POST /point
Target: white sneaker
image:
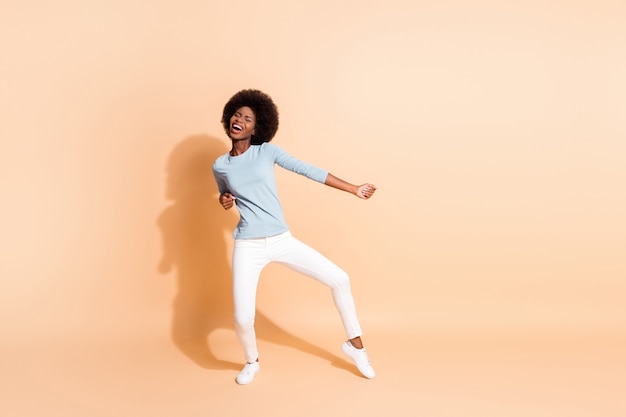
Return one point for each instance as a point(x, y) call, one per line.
point(359, 356)
point(247, 373)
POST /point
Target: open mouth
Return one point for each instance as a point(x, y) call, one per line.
point(236, 128)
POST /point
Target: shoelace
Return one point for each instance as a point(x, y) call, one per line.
point(362, 356)
point(247, 369)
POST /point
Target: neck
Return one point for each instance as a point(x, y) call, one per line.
point(240, 146)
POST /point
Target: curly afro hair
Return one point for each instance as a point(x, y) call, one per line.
point(264, 109)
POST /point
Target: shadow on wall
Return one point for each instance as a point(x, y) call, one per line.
point(192, 233)
point(192, 230)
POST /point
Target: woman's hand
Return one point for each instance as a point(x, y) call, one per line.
point(365, 191)
point(227, 200)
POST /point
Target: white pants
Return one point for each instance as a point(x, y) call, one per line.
point(250, 256)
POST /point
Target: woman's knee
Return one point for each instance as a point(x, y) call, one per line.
point(341, 280)
point(244, 321)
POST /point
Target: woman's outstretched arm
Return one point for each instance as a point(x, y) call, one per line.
point(363, 191)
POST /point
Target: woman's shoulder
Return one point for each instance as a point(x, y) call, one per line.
point(271, 148)
point(267, 146)
point(220, 160)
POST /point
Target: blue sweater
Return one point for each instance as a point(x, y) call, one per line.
point(250, 178)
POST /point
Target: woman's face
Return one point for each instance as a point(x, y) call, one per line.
point(242, 124)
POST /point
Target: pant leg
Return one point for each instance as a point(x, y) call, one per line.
point(249, 259)
point(291, 252)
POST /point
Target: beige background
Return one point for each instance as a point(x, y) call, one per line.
point(488, 269)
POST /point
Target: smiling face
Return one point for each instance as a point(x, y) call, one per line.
point(242, 124)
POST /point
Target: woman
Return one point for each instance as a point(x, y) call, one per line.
point(245, 178)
